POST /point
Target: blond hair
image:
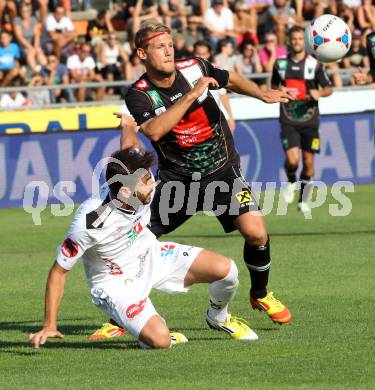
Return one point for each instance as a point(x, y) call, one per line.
point(147, 29)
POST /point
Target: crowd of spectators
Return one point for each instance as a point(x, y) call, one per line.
point(41, 45)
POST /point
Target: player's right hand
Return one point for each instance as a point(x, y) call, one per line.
point(202, 85)
point(39, 338)
point(127, 122)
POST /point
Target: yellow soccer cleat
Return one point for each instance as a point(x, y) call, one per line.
point(107, 331)
point(278, 312)
point(237, 328)
point(178, 338)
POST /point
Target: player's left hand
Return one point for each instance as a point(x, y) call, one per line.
point(39, 338)
point(277, 96)
point(314, 93)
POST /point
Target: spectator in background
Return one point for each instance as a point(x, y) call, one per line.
point(180, 51)
point(245, 23)
point(219, 21)
point(261, 8)
point(98, 30)
point(357, 55)
point(134, 68)
point(193, 32)
point(9, 59)
point(283, 18)
point(308, 9)
point(7, 8)
point(224, 59)
point(27, 33)
point(13, 100)
point(82, 70)
point(247, 62)
point(270, 52)
point(347, 14)
point(174, 13)
point(55, 73)
point(139, 11)
point(38, 97)
point(202, 49)
point(366, 18)
point(114, 61)
point(58, 32)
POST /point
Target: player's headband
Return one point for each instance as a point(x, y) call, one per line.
point(146, 40)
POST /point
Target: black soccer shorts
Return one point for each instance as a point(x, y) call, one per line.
point(305, 137)
point(226, 194)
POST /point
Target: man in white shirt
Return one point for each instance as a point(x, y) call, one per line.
point(58, 30)
point(219, 21)
point(123, 261)
point(82, 70)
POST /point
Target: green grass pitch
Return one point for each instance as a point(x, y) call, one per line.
point(323, 269)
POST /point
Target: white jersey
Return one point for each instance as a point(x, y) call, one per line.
point(115, 244)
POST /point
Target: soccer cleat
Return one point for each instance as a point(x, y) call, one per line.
point(304, 207)
point(278, 312)
point(107, 331)
point(237, 328)
point(288, 191)
point(178, 338)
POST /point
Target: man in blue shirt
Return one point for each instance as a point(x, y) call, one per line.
point(9, 56)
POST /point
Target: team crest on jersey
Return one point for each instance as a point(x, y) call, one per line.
point(69, 248)
point(114, 268)
point(167, 250)
point(141, 84)
point(136, 308)
point(155, 99)
point(186, 64)
point(133, 233)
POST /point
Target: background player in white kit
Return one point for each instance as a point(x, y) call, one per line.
point(123, 261)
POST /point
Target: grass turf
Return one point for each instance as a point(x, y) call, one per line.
point(322, 268)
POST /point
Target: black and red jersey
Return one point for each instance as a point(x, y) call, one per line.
point(300, 77)
point(201, 141)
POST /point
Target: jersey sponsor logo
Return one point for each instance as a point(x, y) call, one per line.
point(315, 144)
point(186, 64)
point(174, 97)
point(141, 84)
point(160, 110)
point(297, 88)
point(69, 248)
point(244, 197)
point(114, 268)
point(193, 128)
point(167, 250)
point(155, 99)
point(133, 233)
point(135, 309)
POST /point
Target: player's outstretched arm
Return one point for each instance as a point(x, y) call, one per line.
point(244, 86)
point(129, 130)
point(158, 127)
point(53, 296)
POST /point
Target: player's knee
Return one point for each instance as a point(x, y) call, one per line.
point(256, 235)
point(223, 267)
point(162, 341)
point(292, 165)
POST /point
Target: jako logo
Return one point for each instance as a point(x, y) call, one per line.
point(136, 308)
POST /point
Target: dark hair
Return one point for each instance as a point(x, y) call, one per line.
point(222, 43)
point(202, 43)
point(246, 42)
point(124, 163)
point(295, 29)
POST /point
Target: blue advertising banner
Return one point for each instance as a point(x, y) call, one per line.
point(66, 162)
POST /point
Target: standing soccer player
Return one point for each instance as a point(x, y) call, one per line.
point(123, 261)
point(302, 75)
point(195, 147)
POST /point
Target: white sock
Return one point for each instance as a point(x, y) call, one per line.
point(221, 293)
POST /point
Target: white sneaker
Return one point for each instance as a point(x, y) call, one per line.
point(303, 207)
point(288, 192)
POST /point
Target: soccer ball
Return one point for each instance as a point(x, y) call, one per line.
point(327, 38)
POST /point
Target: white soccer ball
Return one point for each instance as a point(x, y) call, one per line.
point(327, 38)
